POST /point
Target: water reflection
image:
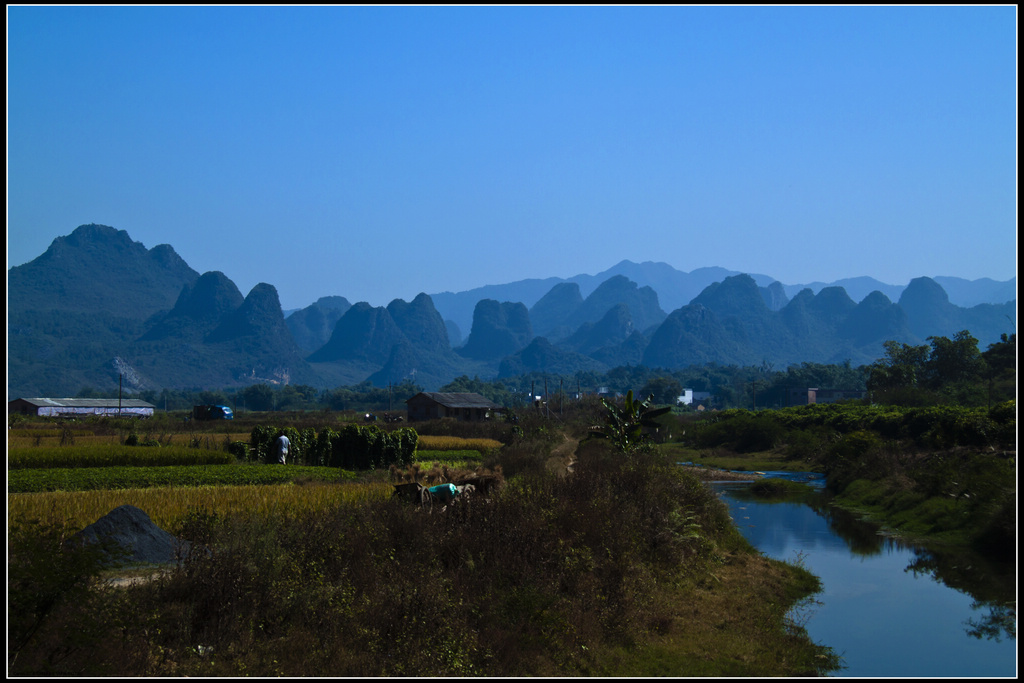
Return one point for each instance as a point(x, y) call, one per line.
point(988, 583)
point(889, 607)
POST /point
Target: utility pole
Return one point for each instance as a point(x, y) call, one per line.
point(546, 406)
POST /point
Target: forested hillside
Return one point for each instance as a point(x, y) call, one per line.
point(98, 310)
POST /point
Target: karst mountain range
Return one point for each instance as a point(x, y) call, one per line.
point(98, 309)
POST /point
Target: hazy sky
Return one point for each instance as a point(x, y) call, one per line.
point(376, 153)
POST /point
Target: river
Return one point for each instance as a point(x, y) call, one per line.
point(888, 608)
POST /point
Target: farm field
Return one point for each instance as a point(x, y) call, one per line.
point(539, 579)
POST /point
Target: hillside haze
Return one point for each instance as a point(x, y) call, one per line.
point(98, 308)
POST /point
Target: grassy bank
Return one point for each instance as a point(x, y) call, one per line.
point(707, 632)
point(724, 459)
point(983, 519)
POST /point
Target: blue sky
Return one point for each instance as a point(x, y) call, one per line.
point(376, 153)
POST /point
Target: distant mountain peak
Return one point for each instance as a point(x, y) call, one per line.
point(364, 333)
point(499, 329)
point(99, 268)
point(259, 315)
point(737, 295)
point(199, 308)
point(924, 291)
point(96, 294)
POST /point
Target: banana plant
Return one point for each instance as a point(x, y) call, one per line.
point(624, 425)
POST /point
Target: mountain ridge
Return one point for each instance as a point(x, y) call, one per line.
point(677, 288)
point(96, 303)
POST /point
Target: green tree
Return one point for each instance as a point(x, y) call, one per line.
point(493, 391)
point(903, 366)
point(625, 424)
point(1001, 368)
point(258, 397)
point(953, 361)
point(1002, 355)
point(216, 398)
point(664, 390)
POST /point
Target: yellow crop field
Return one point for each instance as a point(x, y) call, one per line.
point(167, 506)
point(455, 443)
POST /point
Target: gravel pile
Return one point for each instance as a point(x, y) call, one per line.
point(133, 530)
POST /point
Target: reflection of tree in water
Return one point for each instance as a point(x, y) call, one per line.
point(1001, 620)
point(992, 585)
point(861, 536)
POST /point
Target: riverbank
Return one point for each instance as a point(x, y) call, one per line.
point(957, 497)
point(948, 612)
point(987, 526)
point(713, 628)
point(942, 473)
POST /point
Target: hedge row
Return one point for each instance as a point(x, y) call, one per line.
point(931, 427)
point(354, 447)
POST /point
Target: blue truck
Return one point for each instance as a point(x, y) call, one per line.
point(212, 413)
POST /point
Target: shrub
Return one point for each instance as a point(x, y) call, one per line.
point(741, 430)
point(757, 433)
point(808, 444)
point(853, 456)
point(239, 449)
point(998, 535)
point(53, 618)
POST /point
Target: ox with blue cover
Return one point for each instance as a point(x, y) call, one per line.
point(443, 493)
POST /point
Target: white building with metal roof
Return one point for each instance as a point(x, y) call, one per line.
point(66, 407)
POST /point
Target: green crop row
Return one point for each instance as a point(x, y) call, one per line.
point(112, 455)
point(93, 478)
point(353, 447)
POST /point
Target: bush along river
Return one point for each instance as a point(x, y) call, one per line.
point(888, 607)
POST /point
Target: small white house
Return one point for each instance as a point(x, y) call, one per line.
point(686, 398)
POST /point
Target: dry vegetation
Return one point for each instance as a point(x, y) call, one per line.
point(584, 563)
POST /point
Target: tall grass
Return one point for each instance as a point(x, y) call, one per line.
point(112, 456)
point(168, 506)
point(455, 443)
point(91, 478)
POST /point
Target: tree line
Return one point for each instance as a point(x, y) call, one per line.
point(943, 372)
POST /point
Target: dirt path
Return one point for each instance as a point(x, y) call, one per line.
point(134, 577)
point(563, 456)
